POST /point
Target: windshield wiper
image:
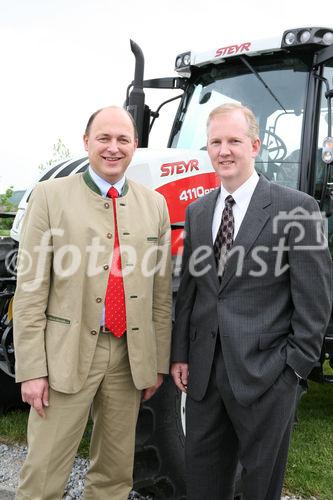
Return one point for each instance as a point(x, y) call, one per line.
point(255, 72)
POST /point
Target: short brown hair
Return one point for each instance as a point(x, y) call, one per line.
point(253, 131)
point(93, 116)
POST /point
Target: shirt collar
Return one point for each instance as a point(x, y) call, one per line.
point(243, 194)
point(103, 185)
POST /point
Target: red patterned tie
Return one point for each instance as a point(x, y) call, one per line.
point(115, 309)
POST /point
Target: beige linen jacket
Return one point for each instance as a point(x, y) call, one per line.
point(65, 254)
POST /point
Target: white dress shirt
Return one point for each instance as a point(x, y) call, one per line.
point(242, 197)
point(103, 185)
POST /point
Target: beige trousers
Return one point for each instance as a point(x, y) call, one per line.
point(53, 441)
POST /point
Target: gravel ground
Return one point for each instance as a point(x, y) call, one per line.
point(12, 458)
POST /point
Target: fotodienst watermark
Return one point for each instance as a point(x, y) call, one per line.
point(294, 231)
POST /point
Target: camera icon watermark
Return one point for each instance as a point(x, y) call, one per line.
point(311, 227)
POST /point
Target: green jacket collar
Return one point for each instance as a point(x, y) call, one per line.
point(92, 185)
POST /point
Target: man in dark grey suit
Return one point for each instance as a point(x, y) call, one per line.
point(251, 312)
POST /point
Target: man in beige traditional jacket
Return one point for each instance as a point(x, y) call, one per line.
point(66, 358)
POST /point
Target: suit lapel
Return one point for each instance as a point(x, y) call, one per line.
point(204, 231)
point(253, 223)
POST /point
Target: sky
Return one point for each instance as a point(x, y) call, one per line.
point(63, 59)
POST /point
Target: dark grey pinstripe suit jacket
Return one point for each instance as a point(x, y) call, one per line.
point(265, 319)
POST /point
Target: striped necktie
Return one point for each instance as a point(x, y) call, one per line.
point(225, 235)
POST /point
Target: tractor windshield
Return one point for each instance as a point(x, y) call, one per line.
point(274, 87)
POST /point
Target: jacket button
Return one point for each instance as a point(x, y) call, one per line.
point(107, 205)
point(109, 235)
point(93, 332)
point(98, 300)
point(106, 267)
point(213, 334)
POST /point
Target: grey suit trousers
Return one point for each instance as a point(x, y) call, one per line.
point(220, 431)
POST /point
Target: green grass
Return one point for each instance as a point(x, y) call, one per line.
point(4, 232)
point(310, 464)
point(13, 429)
point(310, 470)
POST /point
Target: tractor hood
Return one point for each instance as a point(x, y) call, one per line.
point(180, 175)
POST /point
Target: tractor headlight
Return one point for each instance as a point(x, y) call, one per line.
point(289, 38)
point(310, 37)
point(305, 36)
point(328, 37)
point(327, 152)
point(183, 62)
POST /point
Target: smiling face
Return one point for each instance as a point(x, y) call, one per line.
point(231, 150)
point(110, 143)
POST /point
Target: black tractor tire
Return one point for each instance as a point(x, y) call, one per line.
point(159, 470)
point(159, 466)
point(10, 394)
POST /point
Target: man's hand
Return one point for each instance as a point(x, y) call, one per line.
point(179, 372)
point(150, 391)
point(35, 392)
